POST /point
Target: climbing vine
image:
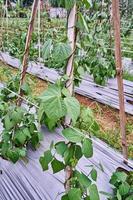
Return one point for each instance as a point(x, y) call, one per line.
point(56, 103)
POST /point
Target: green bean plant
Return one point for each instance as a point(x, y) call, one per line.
point(15, 45)
point(93, 44)
point(55, 104)
point(20, 127)
point(19, 130)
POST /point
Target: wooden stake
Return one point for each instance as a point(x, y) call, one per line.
point(39, 30)
point(119, 71)
point(27, 47)
point(71, 34)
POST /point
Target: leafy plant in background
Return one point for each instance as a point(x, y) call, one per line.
point(86, 121)
point(19, 130)
point(95, 44)
point(98, 61)
point(20, 126)
point(6, 92)
point(122, 185)
point(15, 45)
point(56, 54)
point(92, 53)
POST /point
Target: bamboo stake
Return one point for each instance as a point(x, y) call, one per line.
point(39, 28)
point(2, 25)
point(6, 8)
point(27, 47)
point(71, 34)
point(119, 70)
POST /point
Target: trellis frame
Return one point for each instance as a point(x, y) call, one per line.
point(70, 64)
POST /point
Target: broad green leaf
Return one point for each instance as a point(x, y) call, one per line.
point(94, 174)
point(69, 154)
point(4, 148)
point(74, 194)
point(73, 135)
point(73, 108)
point(65, 197)
point(26, 88)
point(22, 152)
point(81, 71)
point(119, 197)
point(6, 136)
point(57, 165)
point(65, 92)
point(87, 198)
point(8, 123)
point(83, 179)
point(26, 132)
point(35, 139)
point(22, 136)
point(47, 47)
point(40, 112)
point(87, 148)
point(87, 3)
point(78, 152)
point(32, 128)
point(130, 197)
point(50, 123)
point(52, 103)
point(17, 116)
point(19, 137)
point(13, 155)
point(122, 176)
point(124, 188)
point(45, 160)
point(93, 192)
point(61, 148)
point(82, 22)
point(61, 52)
point(118, 177)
